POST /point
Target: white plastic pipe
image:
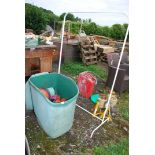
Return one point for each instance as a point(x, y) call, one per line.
point(108, 102)
point(98, 127)
point(118, 65)
point(88, 112)
point(62, 38)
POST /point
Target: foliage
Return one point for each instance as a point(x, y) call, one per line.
point(90, 28)
point(75, 27)
point(34, 18)
point(75, 67)
point(116, 32)
point(106, 31)
point(121, 148)
point(125, 26)
point(37, 18)
point(68, 17)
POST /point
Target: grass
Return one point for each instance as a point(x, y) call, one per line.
point(75, 67)
point(123, 105)
point(121, 148)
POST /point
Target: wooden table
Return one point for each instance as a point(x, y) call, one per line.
point(39, 59)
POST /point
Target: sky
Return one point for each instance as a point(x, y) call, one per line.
point(60, 6)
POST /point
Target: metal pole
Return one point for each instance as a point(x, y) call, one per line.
point(63, 25)
point(118, 65)
point(98, 127)
point(62, 37)
point(108, 102)
point(88, 112)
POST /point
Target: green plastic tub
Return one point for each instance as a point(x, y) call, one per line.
point(55, 119)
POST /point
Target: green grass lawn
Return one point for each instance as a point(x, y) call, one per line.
point(121, 148)
point(75, 67)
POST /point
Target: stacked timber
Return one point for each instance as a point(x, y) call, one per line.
point(102, 51)
point(119, 46)
point(101, 56)
point(89, 56)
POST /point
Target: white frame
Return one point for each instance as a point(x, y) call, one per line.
point(121, 54)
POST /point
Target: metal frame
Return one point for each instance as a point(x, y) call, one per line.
point(108, 102)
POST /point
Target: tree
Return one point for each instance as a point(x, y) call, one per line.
point(78, 19)
point(34, 19)
point(89, 20)
point(124, 27)
point(106, 31)
point(99, 30)
point(69, 17)
point(37, 18)
point(90, 28)
point(116, 32)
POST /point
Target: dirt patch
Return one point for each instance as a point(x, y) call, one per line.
point(77, 140)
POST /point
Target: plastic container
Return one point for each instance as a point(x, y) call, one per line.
point(86, 83)
point(51, 91)
point(94, 98)
point(31, 43)
point(55, 118)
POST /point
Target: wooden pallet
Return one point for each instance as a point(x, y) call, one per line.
point(88, 52)
point(87, 46)
point(89, 61)
point(102, 57)
point(89, 57)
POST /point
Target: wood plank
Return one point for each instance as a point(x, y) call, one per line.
point(45, 64)
point(90, 57)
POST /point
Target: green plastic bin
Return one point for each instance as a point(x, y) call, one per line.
point(55, 119)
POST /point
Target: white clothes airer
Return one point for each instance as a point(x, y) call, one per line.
point(103, 120)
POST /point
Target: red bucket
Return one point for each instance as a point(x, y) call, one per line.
point(86, 83)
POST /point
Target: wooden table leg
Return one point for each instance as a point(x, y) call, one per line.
point(46, 64)
point(27, 67)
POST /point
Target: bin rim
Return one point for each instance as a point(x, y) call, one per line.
point(50, 102)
